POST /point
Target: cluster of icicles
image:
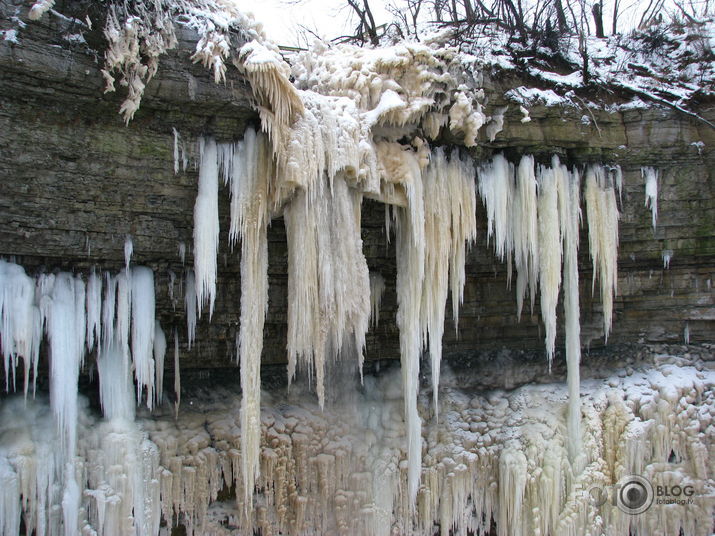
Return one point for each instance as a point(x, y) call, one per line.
point(112, 316)
point(499, 455)
point(533, 220)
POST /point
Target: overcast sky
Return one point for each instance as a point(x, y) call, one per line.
point(282, 19)
point(329, 18)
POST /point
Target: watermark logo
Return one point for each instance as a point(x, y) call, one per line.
point(634, 494)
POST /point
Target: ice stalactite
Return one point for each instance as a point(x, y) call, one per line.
point(115, 386)
point(94, 311)
point(377, 289)
point(20, 324)
point(177, 373)
point(449, 226)
point(549, 254)
point(650, 175)
point(569, 193)
point(128, 251)
point(329, 282)
point(190, 305)
point(526, 233)
point(496, 188)
point(159, 351)
point(66, 331)
point(66, 351)
point(602, 216)
point(206, 226)
point(143, 331)
point(250, 172)
point(410, 252)
point(123, 319)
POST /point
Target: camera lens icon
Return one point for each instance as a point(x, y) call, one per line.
point(635, 494)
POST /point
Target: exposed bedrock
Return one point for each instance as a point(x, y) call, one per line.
point(75, 181)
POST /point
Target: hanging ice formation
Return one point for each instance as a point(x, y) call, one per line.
point(77, 319)
point(354, 125)
point(650, 175)
point(602, 216)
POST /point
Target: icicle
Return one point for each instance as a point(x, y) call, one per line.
point(496, 188)
point(570, 215)
point(123, 319)
point(450, 225)
point(667, 255)
point(159, 354)
point(377, 288)
point(80, 296)
point(549, 254)
point(66, 350)
point(20, 322)
point(10, 511)
point(249, 183)
point(651, 191)
point(108, 306)
point(190, 304)
point(329, 282)
point(94, 310)
point(177, 374)
point(180, 159)
point(182, 252)
point(602, 215)
point(526, 233)
point(206, 227)
point(115, 386)
point(128, 250)
point(143, 326)
point(410, 252)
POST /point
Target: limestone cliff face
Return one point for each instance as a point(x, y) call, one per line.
point(76, 181)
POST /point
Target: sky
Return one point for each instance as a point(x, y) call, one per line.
point(328, 18)
point(282, 19)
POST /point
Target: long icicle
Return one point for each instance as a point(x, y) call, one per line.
point(249, 176)
point(570, 216)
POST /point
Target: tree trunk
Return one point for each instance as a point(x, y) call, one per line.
point(597, 11)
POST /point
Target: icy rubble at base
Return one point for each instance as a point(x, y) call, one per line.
point(498, 455)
